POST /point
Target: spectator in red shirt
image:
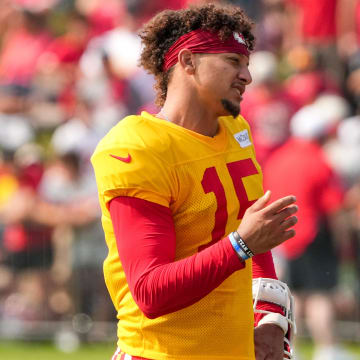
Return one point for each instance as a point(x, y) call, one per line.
point(316, 24)
point(22, 48)
point(300, 167)
point(59, 63)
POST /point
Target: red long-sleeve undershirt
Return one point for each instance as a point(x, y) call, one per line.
point(145, 237)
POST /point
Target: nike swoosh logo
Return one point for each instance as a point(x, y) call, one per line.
point(126, 159)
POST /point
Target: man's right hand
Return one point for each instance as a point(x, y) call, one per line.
point(265, 226)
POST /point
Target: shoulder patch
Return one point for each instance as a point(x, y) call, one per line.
point(243, 138)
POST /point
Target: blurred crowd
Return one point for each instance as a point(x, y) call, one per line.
point(68, 73)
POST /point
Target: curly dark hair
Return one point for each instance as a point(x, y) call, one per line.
point(166, 27)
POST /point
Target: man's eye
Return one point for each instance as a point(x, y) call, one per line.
point(235, 60)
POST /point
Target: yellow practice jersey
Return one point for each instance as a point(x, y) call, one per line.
point(208, 183)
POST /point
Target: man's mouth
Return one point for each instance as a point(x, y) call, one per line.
point(239, 89)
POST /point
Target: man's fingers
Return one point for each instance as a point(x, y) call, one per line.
point(285, 213)
point(261, 202)
point(279, 204)
point(289, 234)
point(289, 222)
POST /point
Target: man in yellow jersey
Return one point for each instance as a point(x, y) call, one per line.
point(183, 204)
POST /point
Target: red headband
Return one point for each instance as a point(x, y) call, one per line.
point(206, 42)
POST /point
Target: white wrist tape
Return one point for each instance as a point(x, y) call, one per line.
point(277, 319)
point(276, 292)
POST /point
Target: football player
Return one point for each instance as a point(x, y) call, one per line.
point(185, 216)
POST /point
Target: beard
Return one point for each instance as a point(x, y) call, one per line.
point(230, 107)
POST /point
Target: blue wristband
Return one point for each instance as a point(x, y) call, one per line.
point(242, 244)
point(242, 255)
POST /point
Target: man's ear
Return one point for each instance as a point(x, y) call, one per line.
point(186, 60)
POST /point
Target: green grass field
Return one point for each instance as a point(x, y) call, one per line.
point(47, 351)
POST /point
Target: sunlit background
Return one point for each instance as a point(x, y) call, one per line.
point(68, 73)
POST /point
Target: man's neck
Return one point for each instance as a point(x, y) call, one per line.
point(188, 112)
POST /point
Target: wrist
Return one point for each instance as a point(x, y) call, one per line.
point(276, 319)
point(241, 249)
point(242, 244)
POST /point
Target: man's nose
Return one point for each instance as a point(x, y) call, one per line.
point(245, 76)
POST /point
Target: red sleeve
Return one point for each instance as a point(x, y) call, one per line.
point(263, 266)
point(145, 237)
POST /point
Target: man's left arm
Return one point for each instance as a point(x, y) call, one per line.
point(272, 311)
